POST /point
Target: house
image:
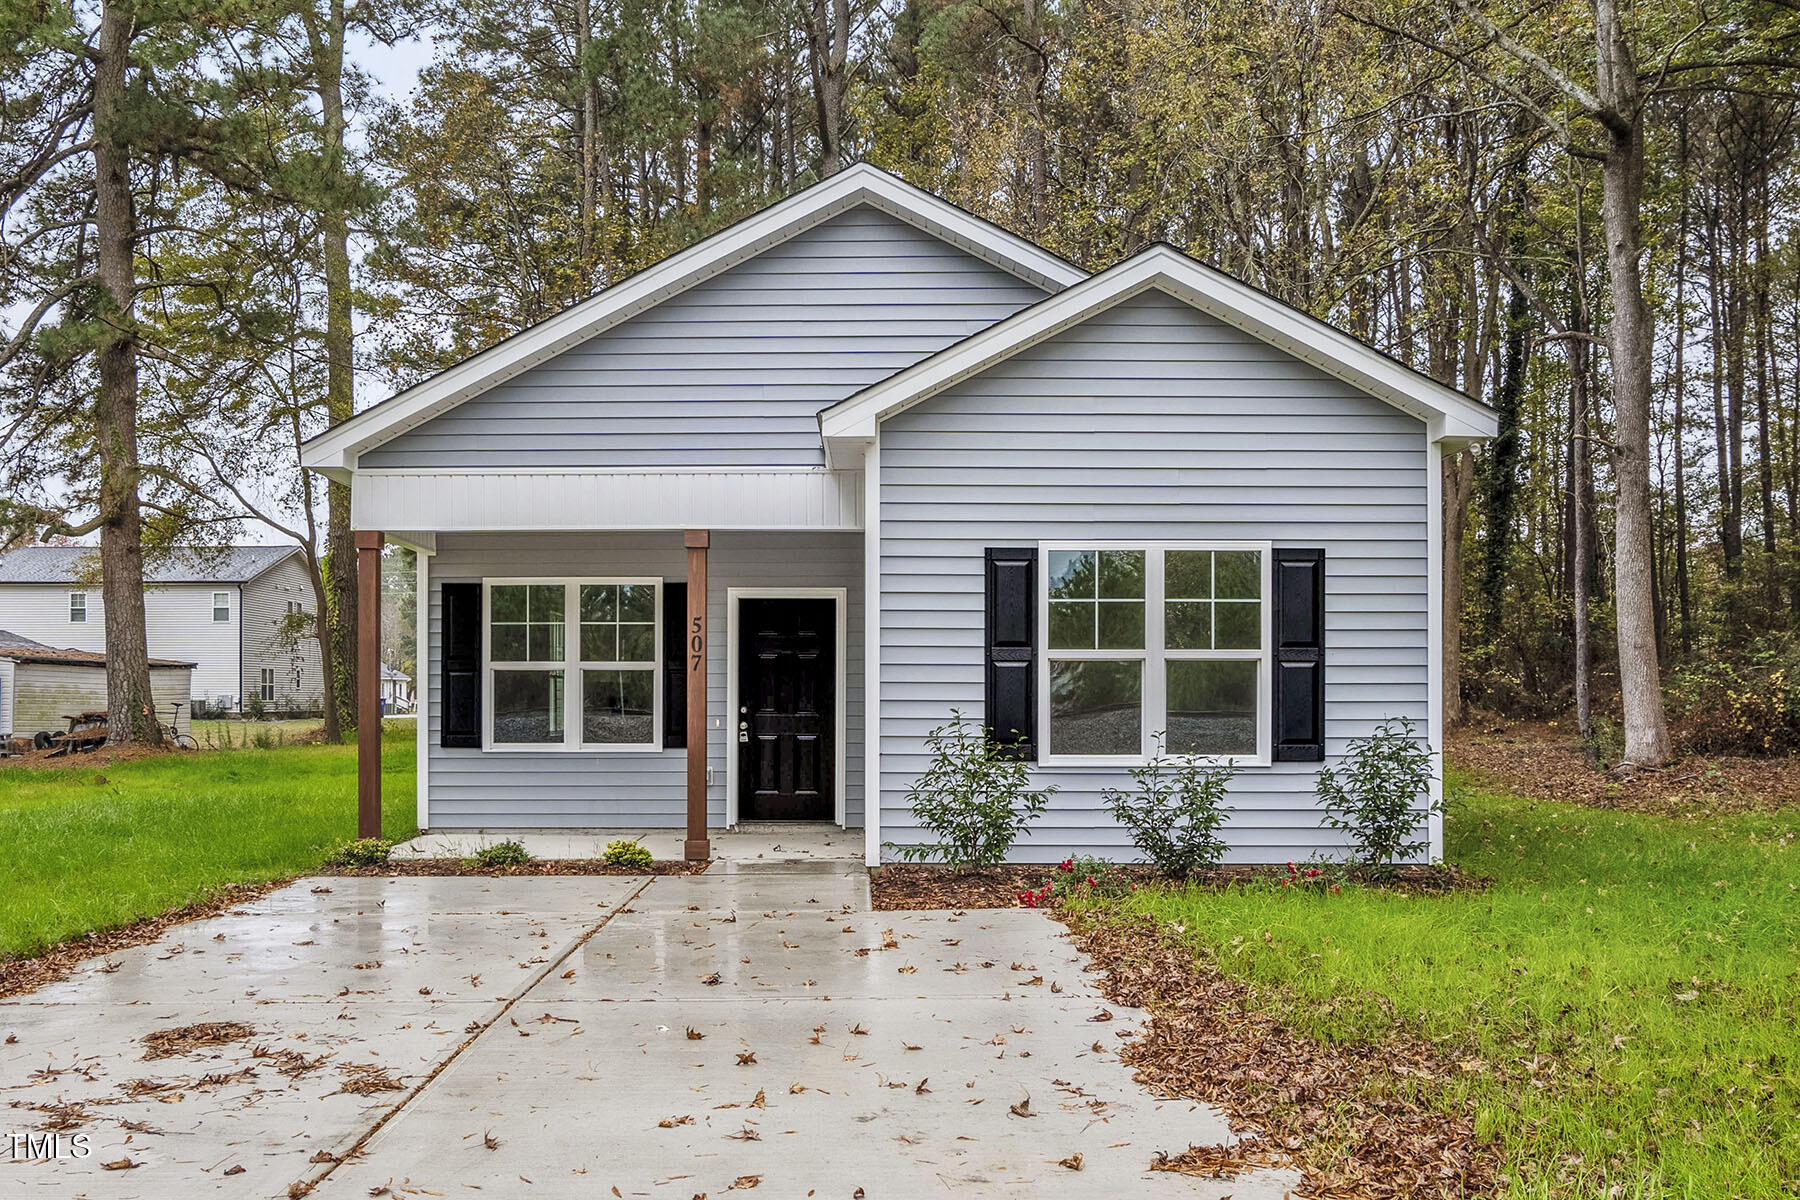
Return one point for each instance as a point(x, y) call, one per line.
point(227, 611)
point(41, 687)
point(396, 689)
point(725, 542)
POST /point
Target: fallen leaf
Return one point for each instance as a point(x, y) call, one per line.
point(746, 1134)
point(1104, 1014)
point(746, 1058)
point(490, 1141)
point(672, 1122)
point(694, 1035)
point(1073, 1162)
point(121, 1164)
point(761, 1101)
point(235, 1169)
point(920, 1089)
point(745, 1182)
point(1022, 1108)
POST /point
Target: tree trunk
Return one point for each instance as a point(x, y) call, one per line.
point(340, 395)
point(1629, 336)
point(130, 706)
point(1581, 549)
point(828, 28)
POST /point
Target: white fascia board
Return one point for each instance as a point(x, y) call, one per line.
point(1449, 413)
point(334, 452)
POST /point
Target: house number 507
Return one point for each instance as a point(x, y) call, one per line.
point(697, 644)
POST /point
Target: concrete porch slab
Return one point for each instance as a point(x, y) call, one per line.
point(747, 846)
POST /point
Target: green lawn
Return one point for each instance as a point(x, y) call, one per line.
point(1650, 966)
point(90, 846)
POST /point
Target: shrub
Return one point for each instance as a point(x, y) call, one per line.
point(626, 853)
point(974, 798)
point(500, 854)
point(1379, 794)
point(1175, 813)
point(1751, 709)
point(364, 852)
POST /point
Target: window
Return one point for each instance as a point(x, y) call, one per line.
point(267, 691)
point(78, 607)
point(221, 606)
point(573, 663)
point(1149, 642)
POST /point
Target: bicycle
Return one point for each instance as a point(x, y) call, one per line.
point(171, 733)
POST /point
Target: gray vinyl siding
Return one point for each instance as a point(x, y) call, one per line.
point(732, 371)
point(1151, 422)
point(524, 789)
point(299, 678)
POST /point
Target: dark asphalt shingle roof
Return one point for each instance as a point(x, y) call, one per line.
point(23, 649)
point(79, 564)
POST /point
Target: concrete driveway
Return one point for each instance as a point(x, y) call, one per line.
point(568, 1036)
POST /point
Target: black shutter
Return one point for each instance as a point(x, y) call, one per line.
point(460, 721)
point(674, 660)
point(1011, 691)
point(1299, 620)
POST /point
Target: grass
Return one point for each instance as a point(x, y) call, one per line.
point(213, 735)
point(1623, 1000)
point(92, 847)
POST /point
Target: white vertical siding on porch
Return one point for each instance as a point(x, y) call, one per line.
point(523, 789)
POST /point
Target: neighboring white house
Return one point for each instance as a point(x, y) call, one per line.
point(41, 687)
point(222, 610)
point(729, 539)
point(396, 689)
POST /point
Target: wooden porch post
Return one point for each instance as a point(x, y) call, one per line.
point(698, 848)
point(368, 683)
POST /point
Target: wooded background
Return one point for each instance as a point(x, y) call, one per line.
point(218, 239)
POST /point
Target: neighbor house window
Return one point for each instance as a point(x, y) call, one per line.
point(573, 663)
point(78, 607)
point(268, 683)
point(221, 606)
point(1143, 643)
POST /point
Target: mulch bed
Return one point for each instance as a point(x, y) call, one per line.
point(1546, 761)
point(19, 975)
point(542, 866)
point(922, 886)
point(1360, 1125)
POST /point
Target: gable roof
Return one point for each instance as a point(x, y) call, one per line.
point(334, 452)
point(22, 649)
point(1450, 414)
point(81, 564)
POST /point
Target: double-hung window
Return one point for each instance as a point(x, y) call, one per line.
point(1155, 646)
point(572, 664)
point(221, 606)
point(78, 608)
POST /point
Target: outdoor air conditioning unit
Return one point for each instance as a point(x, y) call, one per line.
point(224, 703)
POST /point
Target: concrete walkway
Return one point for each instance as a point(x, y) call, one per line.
point(568, 1036)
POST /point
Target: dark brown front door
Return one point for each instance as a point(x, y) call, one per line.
point(786, 710)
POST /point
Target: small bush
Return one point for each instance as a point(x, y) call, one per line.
point(500, 854)
point(1175, 813)
point(1379, 794)
point(974, 798)
point(1748, 710)
point(626, 853)
point(364, 852)
point(255, 708)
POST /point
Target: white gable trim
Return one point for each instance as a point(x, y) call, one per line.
point(335, 451)
point(1448, 413)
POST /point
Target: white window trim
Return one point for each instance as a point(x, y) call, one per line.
point(571, 669)
point(1154, 694)
point(83, 597)
point(216, 606)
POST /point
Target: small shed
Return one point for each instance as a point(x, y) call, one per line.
point(396, 689)
point(42, 686)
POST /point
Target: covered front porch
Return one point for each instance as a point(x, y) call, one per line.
point(670, 683)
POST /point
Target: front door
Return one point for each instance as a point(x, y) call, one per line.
point(786, 710)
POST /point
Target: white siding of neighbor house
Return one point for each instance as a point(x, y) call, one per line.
point(299, 681)
point(6, 697)
point(1150, 422)
point(47, 694)
point(734, 370)
point(522, 789)
point(178, 621)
